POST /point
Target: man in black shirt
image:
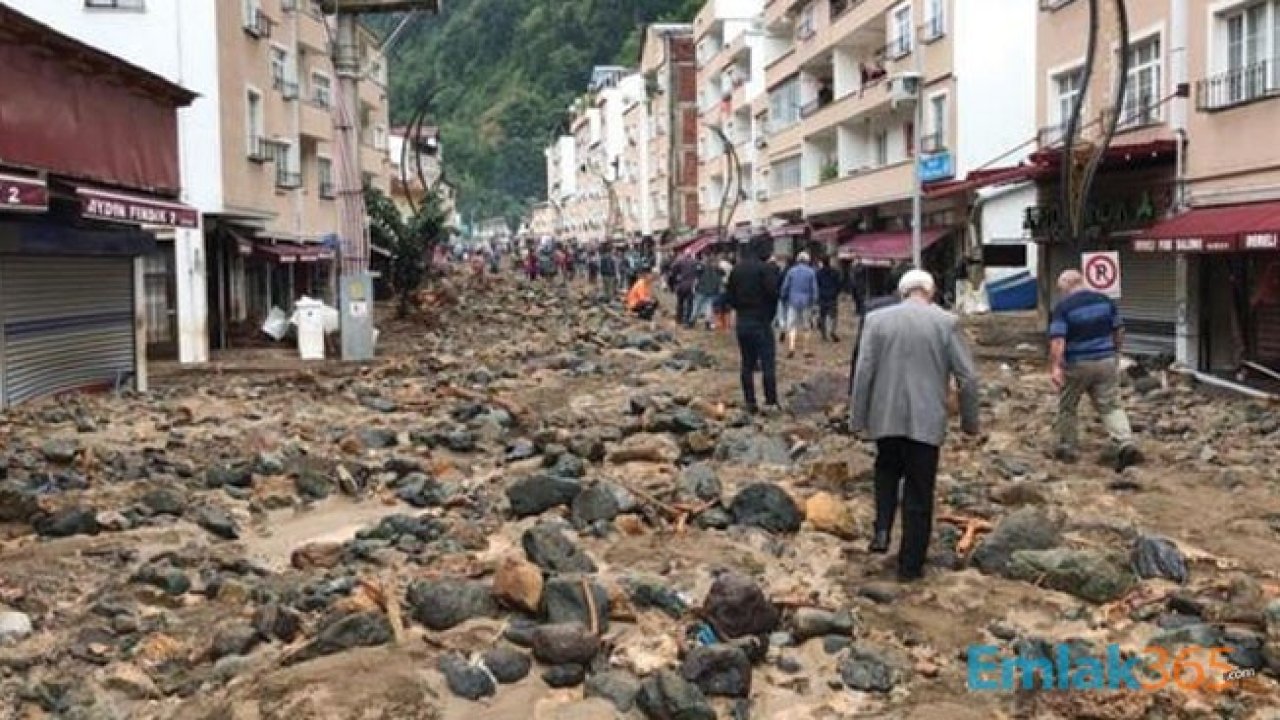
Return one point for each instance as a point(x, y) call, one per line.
point(752, 292)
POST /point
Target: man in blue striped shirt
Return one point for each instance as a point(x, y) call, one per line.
point(1085, 338)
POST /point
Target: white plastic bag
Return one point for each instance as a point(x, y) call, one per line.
point(276, 325)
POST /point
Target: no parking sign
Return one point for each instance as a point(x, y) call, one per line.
point(1101, 272)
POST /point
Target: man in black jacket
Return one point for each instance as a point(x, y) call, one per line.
point(829, 286)
point(752, 292)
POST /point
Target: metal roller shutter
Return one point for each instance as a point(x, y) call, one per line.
point(1148, 302)
point(68, 323)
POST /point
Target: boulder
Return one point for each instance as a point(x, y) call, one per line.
point(749, 447)
point(464, 679)
point(445, 603)
point(810, 622)
point(548, 548)
point(736, 606)
point(165, 501)
point(564, 600)
point(1024, 529)
point(564, 643)
point(1087, 574)
point(316, 555)
point(766, 506)
point(645, 447)
point(14, 625)
point(365, 629)
point(1158, 557)
point(699, 482)
point(871, 669)
point(563, 676)
point(67, 522)
point(217, 521)
point(535, 494)
point(665, 695)
point(596, 503)
point(234, 640)
point(617, 686)
point(720, 669)
point(829, 514)
point(518, 584)
point(507, 664)
point(1271, 650)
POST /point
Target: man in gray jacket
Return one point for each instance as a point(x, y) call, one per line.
point(908, 356)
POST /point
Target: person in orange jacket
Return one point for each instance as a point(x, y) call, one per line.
point(640, 300)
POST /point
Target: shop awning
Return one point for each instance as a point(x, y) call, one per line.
point(702, 243)
point(885, 248)
point(22, 193)
point(288, 253)
point(979, 179)
point(1230, 228)
point(1126, 154)
point(113, 206)
point(832, 235)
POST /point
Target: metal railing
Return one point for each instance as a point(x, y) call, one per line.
point(814, 106)
point(1238, 86)
point(258, 25)
point(288, 179)
point(1147, 113)
point(897, 48)
point(933, 143)
point(840, 7)
point(261, 150)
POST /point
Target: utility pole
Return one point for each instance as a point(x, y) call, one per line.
point(355, 285)
point(917, 187)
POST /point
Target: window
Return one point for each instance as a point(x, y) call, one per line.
point(936, 140)
point(279, 66)
point(1142, 91)
point(379, 137)
point(1246, 45)
point(935, 24)
point(254, 125)
point(786, 174)
point(900, 44)
point(1067, 87)
point(287, 175)
point(324, 172)
point(115, 4)
point(321, 90)
point(806, 27)
point(784, 105)
point(881, 140)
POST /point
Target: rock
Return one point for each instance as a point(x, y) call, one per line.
point(736, 606)
point(464, 679)
point(645, 447)
point(507, 664)
point(365, 629)
point(17, 502)
point(165, 501)
point(520, 631)
point(112, 521)
point(59, 450)
point(808, 622)
point(563, 676)
point(749, 447)
point(421, 491)
point(716, 518)
point(667, 696)
point(14, 625)
point(872, 670)
point(234, 640)
point(442, 604)
point(1245, 648)
point(67, 522)
point(617, 686)
point(548, 548)
point(517, 584)
point(647, 593)
point(1271, 651)
point(217, 521)
point(829, 514)
point(269, 463)
point(1158, 557)
point(588, 448)
point(767, 506)
point(129, 681)
point(564, 600)
point(313, 485)
point(1087, 574)
point(218, 476)
point(699, 482)
point(536, 494)
point(1023, 529)
point(172, 581)
point(719, 669)
point(379, 404)
point(1193, 634)
point(882, 593)
point(565, 643)
point(278, 622)
point(316, 555)
point(596, 503)
point(377, 438)
point(789, 665)
point(1018, 492)
point(834, 644)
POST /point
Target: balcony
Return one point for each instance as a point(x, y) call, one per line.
point(785, 140)
point(1239, 86)
point(777, 12)
point(861, 188)
point(315, 122)
point(258, 25)
point(288, 179)
point(873, 96)
point(933, 143)
point(261, 150)
point(288, 88)
point(783, 67)
point(859, 23)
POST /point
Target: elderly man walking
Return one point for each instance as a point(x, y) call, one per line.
point(1086, 335)
point(908, 356)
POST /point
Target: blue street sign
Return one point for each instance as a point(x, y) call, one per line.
point(935, 166)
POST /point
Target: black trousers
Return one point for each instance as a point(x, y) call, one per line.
point(645, 310)
point(684, 306)
point(759, 351)
point(828, 317)
point(914, 465)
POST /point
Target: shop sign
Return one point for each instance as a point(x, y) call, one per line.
point(116, 207)
point(23, 194)
point(936, 166)
point(1262, 241)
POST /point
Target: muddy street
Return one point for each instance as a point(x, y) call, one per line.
point(531, 506)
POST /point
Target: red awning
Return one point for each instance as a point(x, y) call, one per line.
point(23, 193)
point(1229, 228)
point(886, 247)
point(832, 235)
point(702, 243)
point(113, 206)
point(1131, 153)
point(984, 178)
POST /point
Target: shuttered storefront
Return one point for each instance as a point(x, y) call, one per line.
point(1148, 302)
point(68, 323)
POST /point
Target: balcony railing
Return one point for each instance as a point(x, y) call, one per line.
point(815, 105)
point(288, 179)
point(261, 150)
point(287, 88)
point(933, 143)
point(1146, 113)
point(840, 7)
point(897, 48)
point(1239, 86)
point(258, 25)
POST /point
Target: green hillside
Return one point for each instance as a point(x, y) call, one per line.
point(498, 76)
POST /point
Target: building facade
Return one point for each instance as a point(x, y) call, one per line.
point(257, 153)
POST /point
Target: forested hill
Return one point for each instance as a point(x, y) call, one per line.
point(498, 76)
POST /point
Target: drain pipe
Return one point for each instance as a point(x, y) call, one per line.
point(1218, 382)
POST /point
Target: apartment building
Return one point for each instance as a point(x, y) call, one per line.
point(1189, 192)
point(256, 152)
point(729, 41)
point(417, 167)
point(668, 66)
point(846, 81)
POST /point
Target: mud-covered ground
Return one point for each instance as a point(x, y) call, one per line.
point(528, 476)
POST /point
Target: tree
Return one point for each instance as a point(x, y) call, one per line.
point(411, 241)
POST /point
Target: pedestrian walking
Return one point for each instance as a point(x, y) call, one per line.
point(910, 354)
point(609, 274)
point(685, 272)
point(799, 295)
point(1086, 335)
point(752, 293)
point(593, 268)
point(640, 300)
point(829, 286)
point(709, 286)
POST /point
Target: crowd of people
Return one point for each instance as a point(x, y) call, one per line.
point(910, 365)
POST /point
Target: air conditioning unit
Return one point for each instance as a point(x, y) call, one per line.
point(904, 88)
